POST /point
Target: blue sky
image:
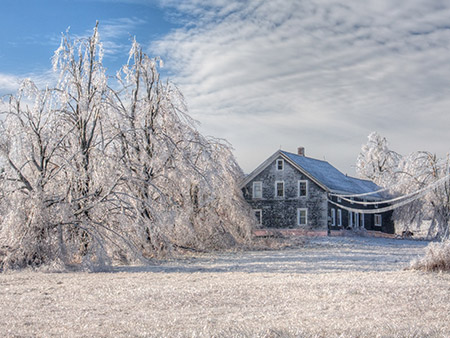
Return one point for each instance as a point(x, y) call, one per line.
point(266, 74)
point(31, 30)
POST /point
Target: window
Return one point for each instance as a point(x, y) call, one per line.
point(258, 215)
point(280, 165)
point(302, 216)
point(279, 189)
point(361, 219)
point(339, 218)
point(257, 189)
point(302, 188)
point(377, 219)
point(333, 217)
point(350, 219)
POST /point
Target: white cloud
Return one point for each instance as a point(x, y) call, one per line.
point(8, 84)
point(115, 35)
point(321, 74)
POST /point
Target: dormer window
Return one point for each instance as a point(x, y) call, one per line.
point(280, 165)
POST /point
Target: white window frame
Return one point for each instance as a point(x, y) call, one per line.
point(276, 189)
point(339, 218)
point(333, 217)
point(356, 220)
point(306, 188)
point(361, 220)
point(377, 220)
point(350, 219)
point(254, 195)
point(280, 161)
point(258, 219)
point(299, 210)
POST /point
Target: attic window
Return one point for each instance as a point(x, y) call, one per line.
point(280, 165)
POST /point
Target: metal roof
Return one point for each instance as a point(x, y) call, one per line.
point(332, 178)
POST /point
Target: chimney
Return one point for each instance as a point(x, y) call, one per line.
point(301, 151)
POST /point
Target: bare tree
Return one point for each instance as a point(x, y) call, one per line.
point(30, 144)
point(94, 174)
point(404, 175)
point(376, 161)
point(175, 179)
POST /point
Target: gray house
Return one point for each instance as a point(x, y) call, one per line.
point(294, 191)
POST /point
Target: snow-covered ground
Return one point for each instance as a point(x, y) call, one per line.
point(330, 287)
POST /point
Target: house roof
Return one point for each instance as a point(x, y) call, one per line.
point(322, 173)
point(332, 178)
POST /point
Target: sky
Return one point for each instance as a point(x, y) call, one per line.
point(267, 74)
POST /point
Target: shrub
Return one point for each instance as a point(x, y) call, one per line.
point(437, 258)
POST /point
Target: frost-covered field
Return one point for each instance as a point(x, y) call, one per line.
point(332, 287)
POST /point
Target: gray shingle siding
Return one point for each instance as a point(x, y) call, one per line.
point(281, 212)
point(323, 181)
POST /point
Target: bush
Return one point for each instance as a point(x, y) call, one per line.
point(437, 258)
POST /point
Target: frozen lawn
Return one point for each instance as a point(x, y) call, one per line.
point(332, 287)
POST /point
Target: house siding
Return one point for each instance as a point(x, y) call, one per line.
point(281, 212)
point(387, 225)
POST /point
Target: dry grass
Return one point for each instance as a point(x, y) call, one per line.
point(437, 258)
point(330, 288)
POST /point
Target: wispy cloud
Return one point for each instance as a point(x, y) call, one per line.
point(114, 29)
point(8, 84)
point(116, 33)
point(318, 73)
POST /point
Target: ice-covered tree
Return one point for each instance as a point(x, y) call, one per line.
point(94, 173)
point(31, 144)
point(180, 186)
point(376, 161)
point(420, 172)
